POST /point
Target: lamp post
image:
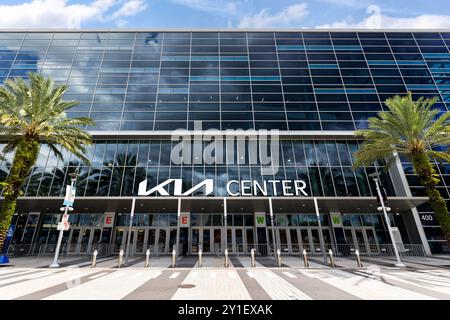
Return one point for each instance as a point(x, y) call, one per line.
point(67, 206)
point(376, 178)
point(322, 244)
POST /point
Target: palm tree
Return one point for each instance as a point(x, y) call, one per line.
point(32, 114)
point(415, 130)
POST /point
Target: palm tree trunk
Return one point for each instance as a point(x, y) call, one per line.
point(428, 177)
point(26, 154)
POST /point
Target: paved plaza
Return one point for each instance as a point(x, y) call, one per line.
point(30, 278)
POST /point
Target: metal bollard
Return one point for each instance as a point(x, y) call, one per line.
point(226, 258)
point(252, 254)
point(200, 258)
point(174, 258)
point(94, 259)
point(120, 257)
point(330, 253)
point(147, 258)
point(279, 258)
point(305, 258)
point(358, 259)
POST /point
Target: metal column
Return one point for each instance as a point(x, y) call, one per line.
point(322, 245)
point(273, 228)
point(225, 224)
point(177, 245)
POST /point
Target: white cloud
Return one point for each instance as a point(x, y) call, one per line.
point(379, 21)
point(214, 6)
point(284, 18)
point(130, 8)
point(347, 3)
point(62, 14)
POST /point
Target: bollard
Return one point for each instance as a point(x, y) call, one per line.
point(279, 258)
point(226, 258)
point(200, 258)
point(252, 254)
point(305, 258)
point(174, 258)
point(120, 257)
point(94, 259)
point(147, 258)
point(358, 259)
point(330, 253)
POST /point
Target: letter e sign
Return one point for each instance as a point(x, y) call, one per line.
point(184, 219)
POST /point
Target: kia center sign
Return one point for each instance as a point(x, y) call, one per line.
point(234, 188)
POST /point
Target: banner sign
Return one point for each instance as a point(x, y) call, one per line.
point(184, 219)
point(9, 236)
point(260, 219)
point(336, 219)
point(108, 220)
point(285, 188)
point(70, 196)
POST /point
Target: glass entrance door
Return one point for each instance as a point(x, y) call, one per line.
point(83, 240)
point(139, 241)
point(195, 240)
point(282, 239)
point(73, 240)
point(217, 241)
point(363, 239)
point(207, 239)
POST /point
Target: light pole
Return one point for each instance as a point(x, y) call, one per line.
point(129, 230)
point(376, 178)
point(322, 244)
point(67, 206)
point(272, 223)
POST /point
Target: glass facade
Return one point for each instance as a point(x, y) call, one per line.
point(156, 81)
point(272, 80)
point(117, 168)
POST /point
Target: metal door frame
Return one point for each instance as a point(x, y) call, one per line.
point(367, 245)
point(78, 244)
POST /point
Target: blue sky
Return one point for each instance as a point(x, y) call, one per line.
point(248, 14)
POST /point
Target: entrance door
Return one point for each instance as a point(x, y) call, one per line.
point(372, 240)
point(151, 240)
point(363, 239)
point(239, 240)
point(305, 238)
point(119, 239)
point(282, 239)
point(83, 240)
point(360, 240)
point(207, 239)
point(95, 242)
point(139, 241)
point(293, 234)
point(217, 240)
point(73, 240)
point(184, 240)
point(195, 240)
point(162, 241)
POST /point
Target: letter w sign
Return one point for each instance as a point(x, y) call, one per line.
point(260, 220)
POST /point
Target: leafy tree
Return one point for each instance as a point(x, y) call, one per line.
point(417, 131)
point(34, 113)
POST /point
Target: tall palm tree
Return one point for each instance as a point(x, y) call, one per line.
point(32, 114)
point(415, 130)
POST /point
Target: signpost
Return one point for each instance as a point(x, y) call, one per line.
point(64, 224)
point(376, 178)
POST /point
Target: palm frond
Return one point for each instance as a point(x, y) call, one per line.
point(36, 110)
point(407, 127)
